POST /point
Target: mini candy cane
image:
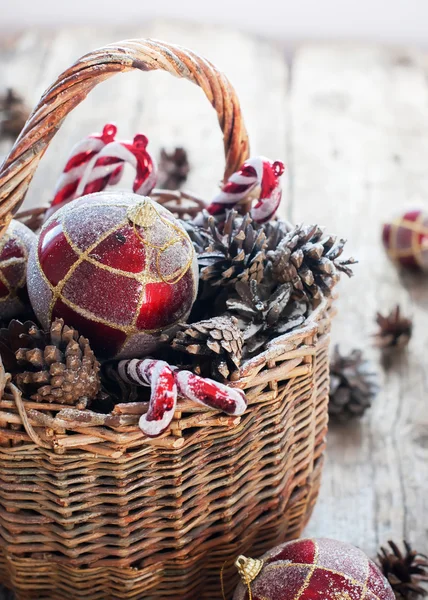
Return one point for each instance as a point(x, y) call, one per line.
point(135, 153)
point(159, 376)
point(255, 172)
point(165, 381)
point(77, 163)
point(210, 393)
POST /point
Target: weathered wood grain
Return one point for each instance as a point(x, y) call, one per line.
point(359, 149)
point(353, 128)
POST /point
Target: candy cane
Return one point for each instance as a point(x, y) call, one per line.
point(255, 172)
point(210, 393)
point(159, 376)
point(166, 381)
point(81, 155)
point(135, 153)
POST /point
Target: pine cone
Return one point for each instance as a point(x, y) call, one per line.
point(14, 114)
point(395, 330)
point(275, 232)
point(235, 251)
point(404, 572)
point(218, 339)
point(264, 312)
point(173, 169)
point(352, 385)
point(199, 231)
point(18, 335)
point(309, 261)
point(58, 366)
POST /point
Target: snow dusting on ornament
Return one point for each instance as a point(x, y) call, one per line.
point(15, 247)
point(314, 569)
point(118, 267)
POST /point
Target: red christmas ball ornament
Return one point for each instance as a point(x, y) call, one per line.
point(15, 246)
point(317, 569)
point(118, 267)
point(406, 239)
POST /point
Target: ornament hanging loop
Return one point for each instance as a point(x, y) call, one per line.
point(248, 569)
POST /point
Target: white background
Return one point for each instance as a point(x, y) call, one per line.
point(391, 21)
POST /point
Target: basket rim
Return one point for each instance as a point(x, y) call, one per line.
point(117, 432)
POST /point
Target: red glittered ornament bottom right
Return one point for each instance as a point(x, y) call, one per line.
point(317, 569)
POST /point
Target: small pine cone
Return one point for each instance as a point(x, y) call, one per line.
point(352, 385)
point(235, 252)
point(173, 169)
point(309, 261)
point(405, 572)
point(18, 335)
point(56, 367)
point(395, 330)
point(218, 339)
point(14, 114)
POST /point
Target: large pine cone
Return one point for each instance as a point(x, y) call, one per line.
point(235, 251)
point(309, 261)
point(264, 312)
point(56, 366)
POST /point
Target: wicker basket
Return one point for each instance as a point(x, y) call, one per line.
point(89, 507)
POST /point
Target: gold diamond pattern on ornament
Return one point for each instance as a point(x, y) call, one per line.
point(144, 277)
point(145, 215)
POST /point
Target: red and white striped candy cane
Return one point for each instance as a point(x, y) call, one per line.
point(210, 393)
point(134, 153)
point(80, 157)
point(166, 381)
point(257, 172)
point(163, 399)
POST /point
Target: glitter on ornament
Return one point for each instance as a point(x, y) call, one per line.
point(406, 240)
point(315, 569)
point(15, 246)
point(118, 267)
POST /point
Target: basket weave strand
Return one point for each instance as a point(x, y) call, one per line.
point(90, 509)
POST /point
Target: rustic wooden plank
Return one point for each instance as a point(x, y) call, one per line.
point(359, 150)
point(22, 57)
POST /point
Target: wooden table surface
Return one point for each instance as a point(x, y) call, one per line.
point(351, 122)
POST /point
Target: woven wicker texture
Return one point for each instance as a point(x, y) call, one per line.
point(90, 508)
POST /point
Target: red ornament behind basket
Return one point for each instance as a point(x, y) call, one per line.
point(15, 247)
point(406, 239)
point(117, 266)
point(318, 569)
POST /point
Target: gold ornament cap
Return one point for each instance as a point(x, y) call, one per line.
point(143, 213)
point(248, 568)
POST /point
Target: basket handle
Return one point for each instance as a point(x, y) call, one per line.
point(73, 85)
